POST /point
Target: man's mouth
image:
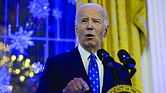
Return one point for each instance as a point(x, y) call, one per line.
point(89, 35)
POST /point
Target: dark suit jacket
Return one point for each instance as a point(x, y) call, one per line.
point(61, 69)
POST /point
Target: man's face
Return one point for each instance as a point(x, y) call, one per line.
point(91, 28)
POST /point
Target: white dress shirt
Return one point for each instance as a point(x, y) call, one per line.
point(84, 56)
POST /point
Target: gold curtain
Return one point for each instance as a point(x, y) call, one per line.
point(127, 30)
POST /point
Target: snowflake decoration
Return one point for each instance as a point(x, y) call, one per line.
point(4, 81)
point(57, 13)
point(21, 40)
point(38, 67)
point(72, 1)
point(39, 8)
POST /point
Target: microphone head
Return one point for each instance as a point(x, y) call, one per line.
point(125, 58)
point(122, 54)
point(101, 53)
point(105, 57)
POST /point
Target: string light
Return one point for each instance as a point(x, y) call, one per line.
point(20, 58)
point(17, 71)
point(13, 58)
point(22, 78)
point(27, 61)
point(31, 74)
point(26, 65)
point(10, 70)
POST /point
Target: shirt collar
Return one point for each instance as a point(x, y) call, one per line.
point(84, 54)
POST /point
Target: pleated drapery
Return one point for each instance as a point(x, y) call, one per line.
point(127, 30)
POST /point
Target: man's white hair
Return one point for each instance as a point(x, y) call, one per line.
point(91, 4)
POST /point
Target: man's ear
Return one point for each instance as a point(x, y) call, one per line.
point(106, 31)
point(76, 30)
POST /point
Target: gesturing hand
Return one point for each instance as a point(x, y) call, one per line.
point(77, 85)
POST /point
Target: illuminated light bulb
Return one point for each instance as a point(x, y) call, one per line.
point(45, 7)
point(17, 71)
point(22, 78)
point(10, 70)
point(1, 62)
point(27, 61)
point(31, 74)
point(20, 58)
point(26, 65)
point(13, 58)
point(27, 24)
point(11, 87)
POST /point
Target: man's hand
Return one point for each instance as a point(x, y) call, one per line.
point(77, 85)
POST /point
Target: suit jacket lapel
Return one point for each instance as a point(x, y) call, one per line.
point(76, 62)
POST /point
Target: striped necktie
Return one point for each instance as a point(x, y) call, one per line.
point(93, 74)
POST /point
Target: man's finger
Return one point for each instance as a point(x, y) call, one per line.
point(84, 84)
point(74, 84)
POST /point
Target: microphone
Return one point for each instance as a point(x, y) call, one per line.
point(126, 59)
point(128, 62)
point(106, 59)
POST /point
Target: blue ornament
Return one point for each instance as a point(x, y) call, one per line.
point(39, 8)
point(21, 40)
point(37, 67)
point(57, 13)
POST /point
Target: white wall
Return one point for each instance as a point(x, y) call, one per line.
point(153, 59)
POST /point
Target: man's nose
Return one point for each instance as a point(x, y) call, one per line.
point(90, 26)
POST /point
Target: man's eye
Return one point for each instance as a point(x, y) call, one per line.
point(84, 21)
point(96, 22)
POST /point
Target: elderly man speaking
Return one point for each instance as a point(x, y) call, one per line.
point(80, 70)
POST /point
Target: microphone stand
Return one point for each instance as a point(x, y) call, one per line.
point(132, 72)
point(115, 75)
point(118, 80)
